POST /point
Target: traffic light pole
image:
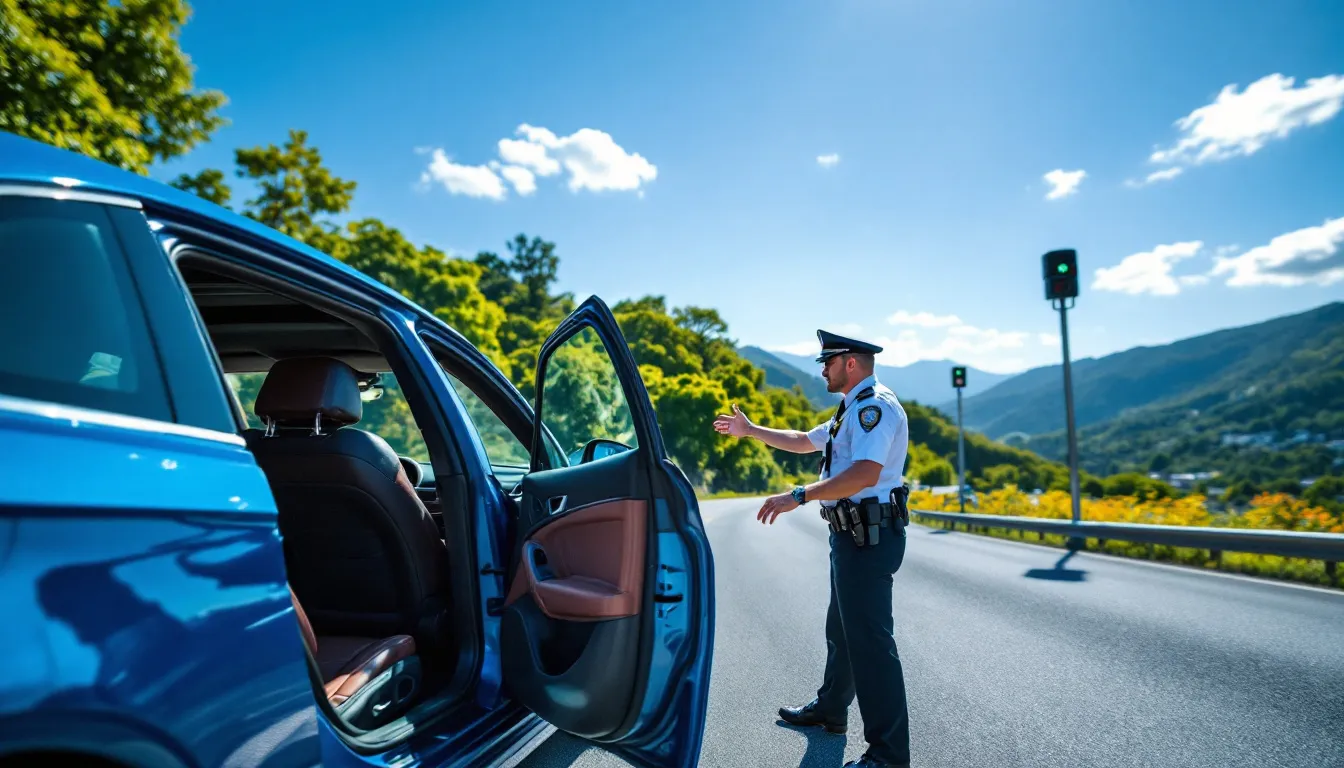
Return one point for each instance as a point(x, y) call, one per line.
point(1060, 304)
point(961, 456)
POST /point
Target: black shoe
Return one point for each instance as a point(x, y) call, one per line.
point(868, 761)
point(806, 716)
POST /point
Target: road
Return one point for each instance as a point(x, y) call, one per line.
point(1012, 659)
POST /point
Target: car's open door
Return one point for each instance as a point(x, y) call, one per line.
point(608, 624)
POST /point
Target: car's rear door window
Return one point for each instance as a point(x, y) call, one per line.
point(72, 330)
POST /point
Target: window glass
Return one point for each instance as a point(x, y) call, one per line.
point(501, 447)
point(583, 399)
point(73, 328)
point(388, 416)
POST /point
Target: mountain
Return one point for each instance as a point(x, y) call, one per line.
point(925, 381)
point(1255, 401)
point(1206, 368)
point(779, 373)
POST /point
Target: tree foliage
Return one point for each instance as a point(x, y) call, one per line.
point(106, 79)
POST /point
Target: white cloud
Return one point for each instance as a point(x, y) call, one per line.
point(1148, 272)
point(923, 319)
point(959, 342)
point(523, 181)
point(1164, 175)
point(528, 155)
point(1310, 255)
point(1063, 183)
point(1242, 123)
point(828, 161)
point(1193, 279)
point(1048, 339)
point(591, 158)
point(469, 180)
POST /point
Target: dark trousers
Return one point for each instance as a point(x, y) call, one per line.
point(861, 649)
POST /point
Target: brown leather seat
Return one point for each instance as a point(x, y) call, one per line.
point(347, 664)
point(362, 552)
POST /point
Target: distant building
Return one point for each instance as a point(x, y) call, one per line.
point(1261, 439)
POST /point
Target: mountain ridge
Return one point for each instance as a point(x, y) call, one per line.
point(1107, 386)
point(925, 381)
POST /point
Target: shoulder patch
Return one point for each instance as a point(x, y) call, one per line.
point(865, 394)
point(869, 417)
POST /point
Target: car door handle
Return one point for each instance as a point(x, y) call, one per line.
point(539, 563)
point(556, 504)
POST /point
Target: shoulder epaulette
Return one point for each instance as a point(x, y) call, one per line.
point(865, 394)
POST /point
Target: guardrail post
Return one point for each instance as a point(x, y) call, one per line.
point(1330, 567)
point(1216, 555)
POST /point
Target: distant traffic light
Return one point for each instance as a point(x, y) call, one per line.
point(958, 376)
point(1061, 274)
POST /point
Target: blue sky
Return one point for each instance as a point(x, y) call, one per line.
point(683, 145)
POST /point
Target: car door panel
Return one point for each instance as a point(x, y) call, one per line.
point(607, 627)
point(587, 564)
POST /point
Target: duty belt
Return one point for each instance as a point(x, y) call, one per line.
point(865, 517)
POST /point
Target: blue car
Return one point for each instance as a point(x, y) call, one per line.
point(259, 509)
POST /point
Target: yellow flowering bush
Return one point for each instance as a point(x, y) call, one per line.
point(1276, 511)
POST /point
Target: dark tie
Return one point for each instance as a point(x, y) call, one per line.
point(835, 427)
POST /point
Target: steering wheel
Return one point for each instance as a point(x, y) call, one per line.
point(414, 472)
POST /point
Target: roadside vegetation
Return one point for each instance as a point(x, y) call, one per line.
point(1275, 511)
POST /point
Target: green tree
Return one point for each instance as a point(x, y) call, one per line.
point(294, 187)
point(106, 79)
point(1240, 492)
point(535, 266)
point(1326, 491)
point(939, 472)
point(208, 184)
point(1001, 475)
point(685, 404)
point(1160, 462)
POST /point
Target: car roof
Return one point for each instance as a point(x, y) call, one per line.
point(27, 161)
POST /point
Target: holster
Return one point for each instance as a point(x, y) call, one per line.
point(865, 518)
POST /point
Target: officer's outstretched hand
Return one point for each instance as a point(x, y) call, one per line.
point(736, 425)
point(776, 506)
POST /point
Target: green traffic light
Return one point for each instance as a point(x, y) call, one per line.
point(1062, 268)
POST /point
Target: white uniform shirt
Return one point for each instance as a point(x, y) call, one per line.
point(872, 429)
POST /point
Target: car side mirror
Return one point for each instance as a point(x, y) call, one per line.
point(601, 448)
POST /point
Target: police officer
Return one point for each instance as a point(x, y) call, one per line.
point(863, 500)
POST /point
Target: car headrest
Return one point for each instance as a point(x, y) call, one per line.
point(297, 390)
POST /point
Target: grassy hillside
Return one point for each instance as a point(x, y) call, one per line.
point(1194, 374)
point(1259, 424)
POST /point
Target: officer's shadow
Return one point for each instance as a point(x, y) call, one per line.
point(824, 750)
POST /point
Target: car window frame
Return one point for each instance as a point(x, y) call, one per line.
point(461, 360)
point(123, 263)
point(292, 274)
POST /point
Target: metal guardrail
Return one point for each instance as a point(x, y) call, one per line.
point(1316, 546)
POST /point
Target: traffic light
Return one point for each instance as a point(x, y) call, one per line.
point(959, 376)
point(1061, 274)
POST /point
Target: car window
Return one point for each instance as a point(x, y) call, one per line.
point(388, 416)
point(501, 447)
point(582, 399)
point(74, 330)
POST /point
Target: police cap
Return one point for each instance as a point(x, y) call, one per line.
point(832, 345)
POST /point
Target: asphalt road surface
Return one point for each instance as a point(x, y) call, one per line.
point(1014, 659)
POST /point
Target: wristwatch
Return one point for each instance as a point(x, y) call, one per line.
point(800, 494)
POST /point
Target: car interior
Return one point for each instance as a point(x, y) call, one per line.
point(366, 550)
point(382, 574)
